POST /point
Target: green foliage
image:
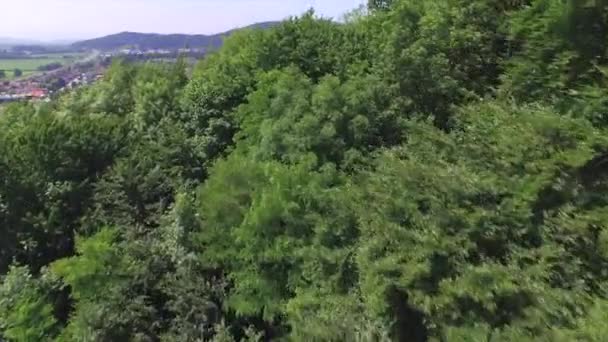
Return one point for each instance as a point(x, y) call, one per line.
point(220, 83)
point(48, 166)
point(140, 186)
point(95, 268)
point(425, 171)
point(438, 54)
point(289, 117)
point(468, 205)
point(114, 93)
point(26, 311)
point(280, 231)
point(561, 52)
point(156, 92)
point(379, 4)
point(99, 278)
point(192, 290)
point(315, 46)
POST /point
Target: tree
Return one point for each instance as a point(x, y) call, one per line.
point(50, 66)
point(54, 162)
point(156, 92)
point(480, 209)
point(269, 227)
point(560, 56)
point(435, 55)
point(26, 308)
point(99, 277)
point(17, 72)
point(379, 4)
point(56, 84)
point(221, 82)
point(114, 95)
point(2, 74)
point(288, 118)
point(140, 186)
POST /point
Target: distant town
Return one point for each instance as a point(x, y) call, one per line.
point(47, 79)
point(37, 73)
point(66, 71)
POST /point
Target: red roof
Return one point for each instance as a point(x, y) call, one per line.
point(37, 92)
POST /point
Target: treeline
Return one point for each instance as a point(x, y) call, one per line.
point(430, 170)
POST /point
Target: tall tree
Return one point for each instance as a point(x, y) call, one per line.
point(379, 4)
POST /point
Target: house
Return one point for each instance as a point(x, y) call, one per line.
point(38, 93)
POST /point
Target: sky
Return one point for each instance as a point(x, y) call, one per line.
point(49, 20)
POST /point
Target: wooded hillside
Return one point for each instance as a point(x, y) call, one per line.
point(147, 41)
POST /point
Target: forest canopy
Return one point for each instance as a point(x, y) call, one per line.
point(426, 170)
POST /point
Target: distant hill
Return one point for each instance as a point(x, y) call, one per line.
point(159, 41)
point(6, 42)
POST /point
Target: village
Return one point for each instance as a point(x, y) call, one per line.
point(42, 86)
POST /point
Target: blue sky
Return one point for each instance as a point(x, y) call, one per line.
point(76, 19)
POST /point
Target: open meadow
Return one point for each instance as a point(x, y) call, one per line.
point(29, 65)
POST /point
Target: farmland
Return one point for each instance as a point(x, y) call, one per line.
point(29, 65)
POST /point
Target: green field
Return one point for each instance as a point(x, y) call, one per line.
point(30, 65)
point(70, 55)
